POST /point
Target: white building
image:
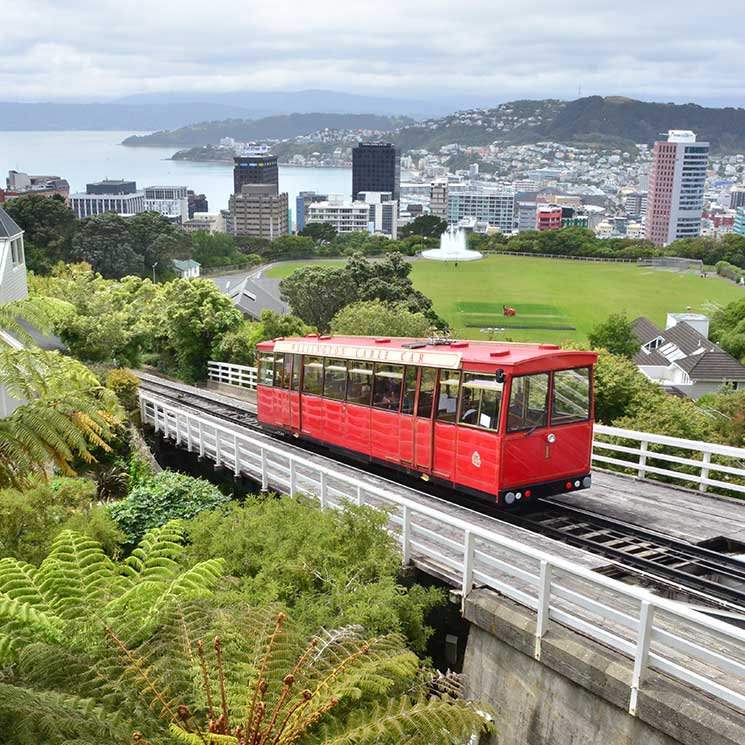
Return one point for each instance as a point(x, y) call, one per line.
point(187, 268)
point(497, 207)
point(126, 205)
point(345, 215)
point(206, 222)
point(383, 210)
point(170, 201)
point(12, 286)
point(676, 188)
point(526, 216)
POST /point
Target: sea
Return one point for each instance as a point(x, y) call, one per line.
point(83, 157)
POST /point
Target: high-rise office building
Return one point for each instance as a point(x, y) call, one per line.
point(256, 165)
point(197, 203)
point(494, 206)
point(259, 211)
point(737, 197)
point(438, 199)
point(549, 217)
point(676, 188)
point(739, 227)
point(117, 196)
point(170, 201)
point(376, 166)
point(635, 203)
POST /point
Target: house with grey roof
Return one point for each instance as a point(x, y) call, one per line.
point(682, 358)
point(250, 297)
point(187, 268)
point(12, 286)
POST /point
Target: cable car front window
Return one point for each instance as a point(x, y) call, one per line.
point(480, 400)
point(528, 403)
point(571, 396)
point(266, 369)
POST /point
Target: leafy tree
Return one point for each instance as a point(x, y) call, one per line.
point(616, 334)
point(125, 384)
point(112, 322)
point(66, 414)
point(290, 247)
point(239, 346)
point(30, 519)
point(375, 318)
point(48, 225)
point(320, 232)
point(728, 328)
point(153, 237)
point(166, 496)
point(105, 243)
point(193, 315)
point(428, 226)
point(317, 293)
point(728, 409)
point(216, 249)
point(332, 568)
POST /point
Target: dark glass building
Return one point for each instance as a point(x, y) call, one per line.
point(376, 166)
point(111, 186)
point(253, 169)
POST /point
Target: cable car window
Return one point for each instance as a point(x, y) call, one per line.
point(426, 392)
point(287, 372)
point(296, 358)
point(387, 386)
point(571, 396)
point(447, 400)
point(279, 370)
point(528, 402)
point(313, 375)
point(407, 402)
point(335, 379)
point(359, 385)
point(266, 369)
point(480, 400)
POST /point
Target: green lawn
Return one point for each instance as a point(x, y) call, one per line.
point(554, 296)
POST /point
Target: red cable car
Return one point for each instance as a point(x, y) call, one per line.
point(506, 422)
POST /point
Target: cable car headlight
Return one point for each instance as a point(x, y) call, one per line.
point(509, 497)
point(551, 438)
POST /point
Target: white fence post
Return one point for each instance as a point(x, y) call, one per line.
point(236, 457)
point(293, 484)
point(641, 473)
point(201, 440)
point(406, 535)
point(544, 605)
point(705, 460)
point(323, 489)
point(468, 561)
point(646, 617)
point(264, 471)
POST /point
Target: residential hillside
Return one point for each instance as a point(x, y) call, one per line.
point(272, 127)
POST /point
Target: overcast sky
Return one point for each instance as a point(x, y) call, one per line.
point(428, 49)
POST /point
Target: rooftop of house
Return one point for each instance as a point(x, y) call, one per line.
point(685, 347)
point(8, 227)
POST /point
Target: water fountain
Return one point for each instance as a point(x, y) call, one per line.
point(453, 247)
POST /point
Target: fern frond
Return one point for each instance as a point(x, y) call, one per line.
point(157, 554)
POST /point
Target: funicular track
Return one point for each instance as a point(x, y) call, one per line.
point(672, 566)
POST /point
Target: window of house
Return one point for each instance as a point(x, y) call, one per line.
point(447, 399)
point(313, 375)
point(16, 252)
point(528, 402)
point(481, 399)
point(571, 396)
point(387, 386)
point(335, 379)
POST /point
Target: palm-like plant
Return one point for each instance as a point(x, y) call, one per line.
point(103, 652)
point(66, 413)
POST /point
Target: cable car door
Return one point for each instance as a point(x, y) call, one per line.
point(423, 436)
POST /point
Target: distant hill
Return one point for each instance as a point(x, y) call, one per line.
point(272, 127)
point(103, 116)
point(164, 111)
point(613, 121)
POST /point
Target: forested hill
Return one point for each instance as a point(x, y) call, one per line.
point(612, 121)
point(272, 127)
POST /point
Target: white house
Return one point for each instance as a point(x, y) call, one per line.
point(12, 285)
point(682, 358)
point(187, 268)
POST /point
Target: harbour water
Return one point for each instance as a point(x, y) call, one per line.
point(82, 157)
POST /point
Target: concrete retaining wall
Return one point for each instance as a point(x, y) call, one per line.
point(578, 692)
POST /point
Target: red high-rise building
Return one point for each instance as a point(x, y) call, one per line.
point(548, 217)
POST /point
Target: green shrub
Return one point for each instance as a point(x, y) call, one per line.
point(167, 496)
point(125, 384)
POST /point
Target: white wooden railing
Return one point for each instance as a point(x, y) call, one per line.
point(654, 632)
point(695, 468)
point(242, 376)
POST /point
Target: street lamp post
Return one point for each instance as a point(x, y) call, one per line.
point(154, 265)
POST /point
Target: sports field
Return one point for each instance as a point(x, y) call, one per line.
point(556, 300)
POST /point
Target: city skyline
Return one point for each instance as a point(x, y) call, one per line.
point(434, 51)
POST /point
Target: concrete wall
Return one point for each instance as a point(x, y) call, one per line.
point(578, 693)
